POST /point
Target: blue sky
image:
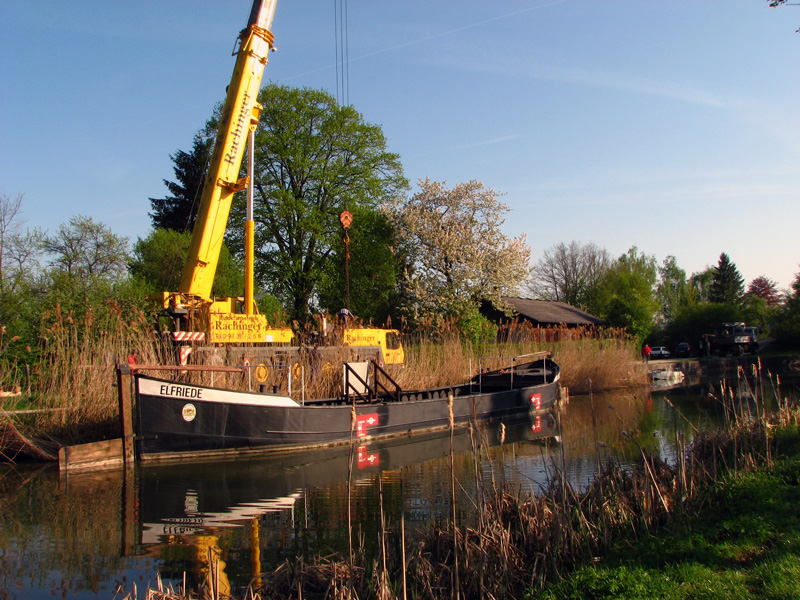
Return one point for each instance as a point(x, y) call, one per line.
point(672, 126)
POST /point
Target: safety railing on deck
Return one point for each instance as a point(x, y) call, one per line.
point(514, 360)
point(359, 388)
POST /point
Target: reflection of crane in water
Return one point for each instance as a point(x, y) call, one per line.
point(209, 566)
point(192, 538)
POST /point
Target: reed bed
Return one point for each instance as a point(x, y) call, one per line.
point(609, 357)
point(609, 364)
point(74, 392)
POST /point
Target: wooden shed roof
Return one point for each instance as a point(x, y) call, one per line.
point(549, 312)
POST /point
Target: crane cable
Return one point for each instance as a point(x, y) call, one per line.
point(343, 98)
point(342, 53)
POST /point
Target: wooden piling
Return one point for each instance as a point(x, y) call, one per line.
point(126, 411)
point(107, 453)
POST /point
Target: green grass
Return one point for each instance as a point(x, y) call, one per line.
point(744, 542)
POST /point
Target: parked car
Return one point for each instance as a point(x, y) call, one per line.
point(683, 350)
point(659, 352)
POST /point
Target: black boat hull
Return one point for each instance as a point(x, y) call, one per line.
point(178, 421)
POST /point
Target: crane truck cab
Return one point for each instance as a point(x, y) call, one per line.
point(388, 340)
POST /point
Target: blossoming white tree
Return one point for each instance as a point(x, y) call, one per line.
point(456, 253)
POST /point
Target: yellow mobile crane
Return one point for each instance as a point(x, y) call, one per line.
point(194, 312)
point(196, 316)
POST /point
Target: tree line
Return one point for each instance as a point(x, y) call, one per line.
point(658, 302)
point(428, 258)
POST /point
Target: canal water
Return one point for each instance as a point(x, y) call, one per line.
point(87, 536)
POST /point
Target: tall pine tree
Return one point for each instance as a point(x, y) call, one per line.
point(727, 284)
point(178, 211)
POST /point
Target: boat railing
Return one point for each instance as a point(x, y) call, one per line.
point(366, 392)
point(393, 394)
point(218, 369)
point(544, 355)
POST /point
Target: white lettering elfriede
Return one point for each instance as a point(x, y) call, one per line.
point(162, 389)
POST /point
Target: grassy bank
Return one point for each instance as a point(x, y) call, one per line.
point(743, 542)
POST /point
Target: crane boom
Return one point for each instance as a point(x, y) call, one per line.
point(193, 311)
point(239, 114)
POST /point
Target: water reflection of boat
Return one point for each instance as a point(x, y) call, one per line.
point(666, 378)
point(212, 517)
point(180, 420)
point(190, 498)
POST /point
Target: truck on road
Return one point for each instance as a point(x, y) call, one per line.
point(735, 339)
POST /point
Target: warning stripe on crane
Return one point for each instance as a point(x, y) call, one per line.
point(185, 351)
point(188, 336)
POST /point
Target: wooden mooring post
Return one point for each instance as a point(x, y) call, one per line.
point(126, 411)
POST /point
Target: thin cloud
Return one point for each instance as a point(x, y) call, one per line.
point(524, 69)
point(448, 32)
point(716, 191)
point(502, 139)
point(605, 79)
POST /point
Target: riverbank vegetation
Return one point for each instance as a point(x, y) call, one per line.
point(719, 521)
point(744, 544)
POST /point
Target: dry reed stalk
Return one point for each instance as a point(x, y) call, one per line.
point(383, 588)
point(404, 564)
point(594, 423)
point(451, 420)
point(353, 421)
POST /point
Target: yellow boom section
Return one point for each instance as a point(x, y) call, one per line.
point(241, 110)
